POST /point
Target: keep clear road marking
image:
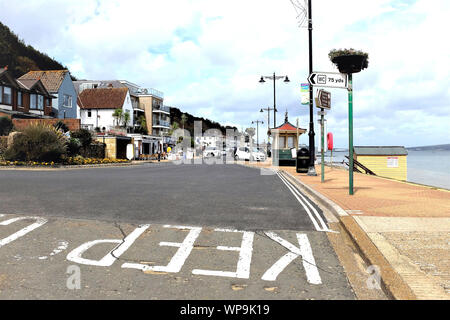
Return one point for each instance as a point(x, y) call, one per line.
point(316, 219)
point(39, 222)
point(184, 249)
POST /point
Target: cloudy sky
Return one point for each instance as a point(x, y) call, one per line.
point(208, 55)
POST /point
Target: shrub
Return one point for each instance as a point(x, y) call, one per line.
point(37, 142)
point(73, 147)
point(6, 126)
point(3, 145)
point(83, 135)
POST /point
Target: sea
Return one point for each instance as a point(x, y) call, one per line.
point(429, 167)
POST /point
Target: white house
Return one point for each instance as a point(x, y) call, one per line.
point(97, 107)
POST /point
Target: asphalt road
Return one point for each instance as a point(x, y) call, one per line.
point(214, 195)
point(163, 231)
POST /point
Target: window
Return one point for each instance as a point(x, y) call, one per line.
point(67, 101)
point(7, 93)
point(290, 142)
point(281, 141)
point(33, 102)
point(1, 94)
point(19, 99)
point(40, 102)
point(89, 113)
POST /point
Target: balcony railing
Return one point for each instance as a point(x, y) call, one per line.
point(161, 123)
point(161, 108)
point(149, 91)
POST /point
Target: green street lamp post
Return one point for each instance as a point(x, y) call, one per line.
point(350, 61)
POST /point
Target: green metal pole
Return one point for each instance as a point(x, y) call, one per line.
point(350, 132)
point(322, 169)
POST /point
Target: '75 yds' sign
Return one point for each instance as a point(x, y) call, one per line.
point(328, 79)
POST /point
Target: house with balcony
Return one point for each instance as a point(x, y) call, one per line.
point(59, 84)
point(23, 99)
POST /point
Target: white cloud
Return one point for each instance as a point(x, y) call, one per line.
point(207, 56)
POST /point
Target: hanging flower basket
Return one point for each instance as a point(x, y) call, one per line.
point(349, 60)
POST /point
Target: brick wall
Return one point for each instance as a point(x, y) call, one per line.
point(72, 124)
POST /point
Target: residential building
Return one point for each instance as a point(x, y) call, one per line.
point(146, 102)
point(59, 84)
point(23, 98)
point(97, 107)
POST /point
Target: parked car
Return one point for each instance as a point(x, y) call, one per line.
point(211, 152)
point(245, 153)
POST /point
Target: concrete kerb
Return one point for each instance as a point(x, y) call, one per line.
point(392, 283)
point(85, 166)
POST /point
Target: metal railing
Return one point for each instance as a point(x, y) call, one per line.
point(161, 123)
point(161, 108)
point(149, 91)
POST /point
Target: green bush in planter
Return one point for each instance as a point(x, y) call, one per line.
point(37, 142)
point(349, 60)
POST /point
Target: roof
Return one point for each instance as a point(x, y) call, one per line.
point(380, 150)
point(27, 83)
point(102, 98)
point(5, 75)
point(51, 79)
point(35, 85)
point(287, 126)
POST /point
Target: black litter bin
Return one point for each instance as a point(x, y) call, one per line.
point(303, 160)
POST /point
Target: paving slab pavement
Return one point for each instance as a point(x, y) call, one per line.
point(406, 223)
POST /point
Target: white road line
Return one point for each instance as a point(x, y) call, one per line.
point(316, 225)
point(39, 222)
point(324, 225)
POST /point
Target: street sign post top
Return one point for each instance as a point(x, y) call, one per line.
point(328, 79)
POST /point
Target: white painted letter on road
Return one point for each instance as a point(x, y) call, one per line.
point(39, 222)
point(178, 260)
point(305, 251)
point(245, 257)
point(123, 245)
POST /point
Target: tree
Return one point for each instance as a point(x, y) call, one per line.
point(118, 115)
point(184, 119)
point(250, 132)
point(142, 121)
point(174, 126)
point(126, 117)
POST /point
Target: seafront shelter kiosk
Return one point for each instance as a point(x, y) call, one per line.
point(285, 138)
point(387, 162)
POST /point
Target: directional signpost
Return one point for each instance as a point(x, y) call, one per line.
point(323, 101)
point(329, 79)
